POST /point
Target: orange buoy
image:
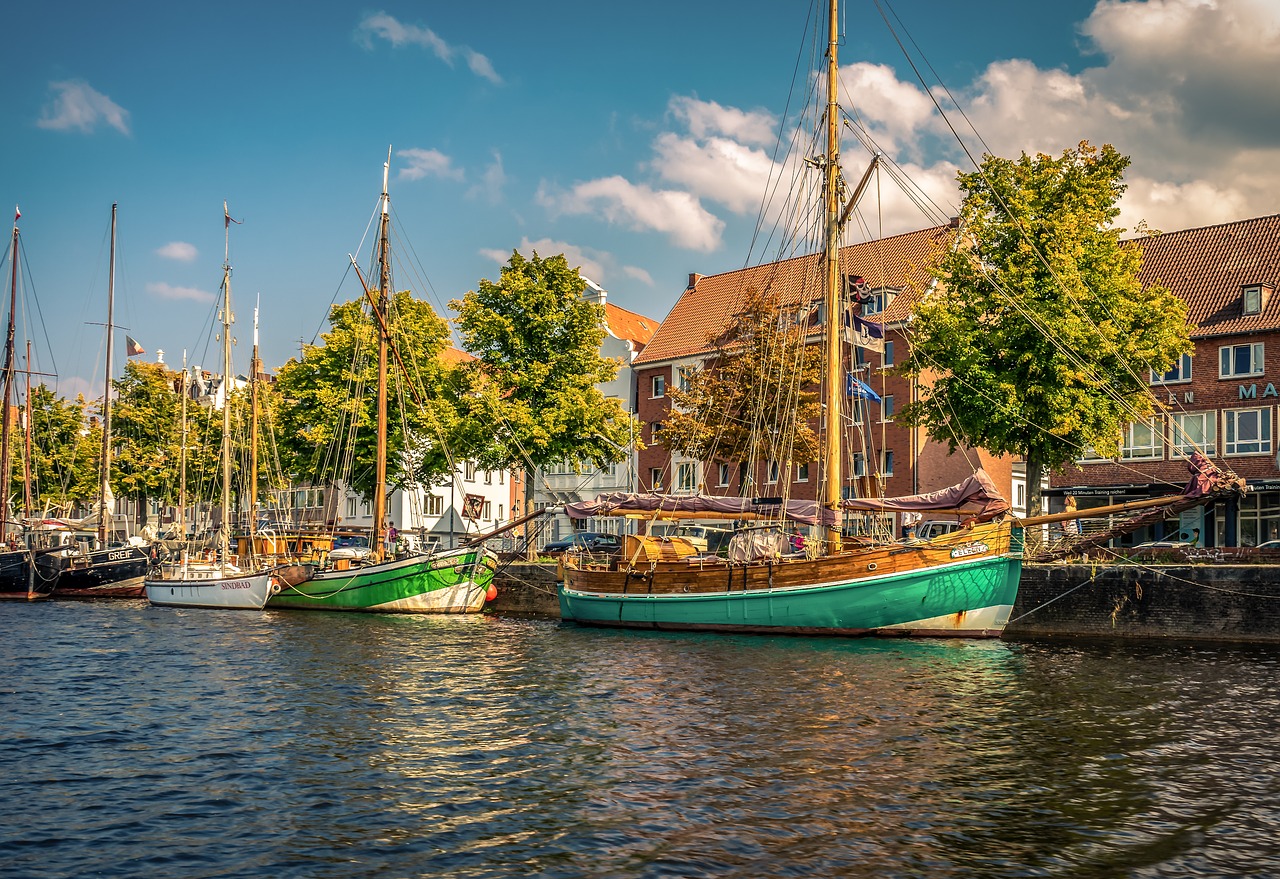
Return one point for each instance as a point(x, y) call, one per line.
point(492, 593)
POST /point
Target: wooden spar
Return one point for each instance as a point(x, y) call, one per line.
point(253, 436)
point(224, 528)
point(104, 486)
point(1093, 512)
point(6, 477)
point(26, 439)
point(832, 434)
point(384, 284)
point(515, 523)
point(182, 457)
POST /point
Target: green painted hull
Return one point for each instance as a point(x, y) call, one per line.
point(969, 599)
point(449, 582)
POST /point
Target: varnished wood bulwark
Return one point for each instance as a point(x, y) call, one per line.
point(705, 575)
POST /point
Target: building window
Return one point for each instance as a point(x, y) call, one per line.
point(859, 464)
point(886, 407)
point(1240, 360)
point(886, 459)
point(435, 505)
point(1142, 439)
point(351, 507)
point(659, 386)
point(682, 377)
point(686, 476)
point(655, 479)
point(1253, 299)
point(1259, 518)
point(888, 353)
point(655, 429)
point(1193, 431)
point(502, 477)
point(488, 477)
point(1180, 374)
point(488, 510)
point(880, 300)
point(499, 512)
point(772, 475)
point(724, 474)
point(1246, 431)
point(802, 473)
point(469, 471)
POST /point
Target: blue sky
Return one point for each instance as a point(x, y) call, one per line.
point(636, 138)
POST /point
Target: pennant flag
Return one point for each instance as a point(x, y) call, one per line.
point(859, 390)
point(868, 334)
point(17, 214)
point(132, 348)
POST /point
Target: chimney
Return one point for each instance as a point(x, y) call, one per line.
point(954, 223)
point(694, 278)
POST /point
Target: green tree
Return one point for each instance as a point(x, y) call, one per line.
point(65, 452)
point(531, 396)
point(145, 434)
point(1040, 330)
point(326, 424)
point(756, 397)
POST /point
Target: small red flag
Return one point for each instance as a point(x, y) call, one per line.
point(17, 214)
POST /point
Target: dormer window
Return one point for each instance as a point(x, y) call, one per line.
point(1254, 297)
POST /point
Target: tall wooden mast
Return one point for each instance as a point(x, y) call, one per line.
point(384, 295)
point(224, 527)
point(182, 456)
point(832, 433)
point(104, 485)
point(253, 435)
point(6, 478)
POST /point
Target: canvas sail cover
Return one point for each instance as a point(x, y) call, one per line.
point(977, 496)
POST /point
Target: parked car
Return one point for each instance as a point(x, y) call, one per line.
point(584, 541)
point(935, 528)
point(350, 546)
point(1269, 544)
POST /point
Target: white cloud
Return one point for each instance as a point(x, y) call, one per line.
point(163, 290)
point(709, 119)
point(677, 214)
point(599, 266)
point(76, 105)
point(396, 33)
point(492, 181)
point(178, 250)
point(423, 163)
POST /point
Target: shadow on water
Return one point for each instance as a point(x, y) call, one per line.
point(153, 741)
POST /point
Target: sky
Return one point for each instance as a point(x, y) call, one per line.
point(635, 138)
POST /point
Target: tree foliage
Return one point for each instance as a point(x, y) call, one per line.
point(756, 397)
point(65, 452)
point(1040, 331)
point(145, 433)
point(327, 422)
point(531, 396)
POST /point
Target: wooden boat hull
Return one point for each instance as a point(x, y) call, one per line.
point(18, 580)
point(244, 592)
point(963, 585)
point(104, 573)
point(451, 582)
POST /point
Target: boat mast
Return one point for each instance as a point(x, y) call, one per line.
point(253, 432)
point(835, 315)
point(224, 528)
point(182, 457)
point(104, 485)
point(26, 439)
point(8, 375)
point(384, 295)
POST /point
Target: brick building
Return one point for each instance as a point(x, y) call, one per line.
point(884, 458)
point(1221, 399)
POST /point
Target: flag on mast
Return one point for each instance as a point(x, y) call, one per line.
point(132, 348)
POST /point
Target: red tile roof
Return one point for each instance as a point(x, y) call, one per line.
point(1208, 267)
point(454, 356)
point(900, 262)
point(628, 325)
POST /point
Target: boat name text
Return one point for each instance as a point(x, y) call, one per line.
point(969, 549)
point(237, 584)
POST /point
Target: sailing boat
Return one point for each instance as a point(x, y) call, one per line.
point(451, 581)
point(19, 578)
point(219, 581)
point(105, 570)
point(961, 584)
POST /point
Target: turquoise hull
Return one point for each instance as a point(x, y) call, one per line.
point(971, 598)
point(450, 582)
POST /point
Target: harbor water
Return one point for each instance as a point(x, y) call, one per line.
point(139, 741)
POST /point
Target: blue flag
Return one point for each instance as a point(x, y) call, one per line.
point(859, 390)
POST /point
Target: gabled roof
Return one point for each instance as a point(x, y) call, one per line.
point(454, 356)
point(623, 324)
point(1208, 267)
point(708, 306)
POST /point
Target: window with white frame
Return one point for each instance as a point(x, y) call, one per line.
point(435, 505)
point(880, 300)
point(1253, 299)
point(487, 512)
point(682, 377)
point(659, 386)
point(1246, 431)
point(686, 476)
point(802, 473)
point(859, 464)
point(886, 407)
point(886, 462)
point(771, 475)
point(469, 471)
point(888, 353)
point(1142, 439)
point(351, 507)
point(1193, 431)
point(655, 478)
point(724, 474)
point(488, 477)
point(1179, 374)
point(1240, 360)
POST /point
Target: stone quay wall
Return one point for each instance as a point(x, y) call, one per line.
point(1182, 602)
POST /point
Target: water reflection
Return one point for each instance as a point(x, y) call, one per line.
point(323, 744)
